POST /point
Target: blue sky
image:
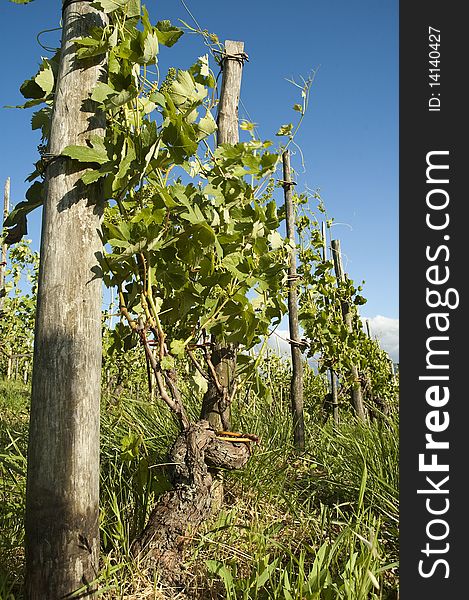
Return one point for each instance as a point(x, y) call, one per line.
point(349, 137)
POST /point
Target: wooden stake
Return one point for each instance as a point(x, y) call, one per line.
point(334, 391)
point(215, 408)
point(357, 396)
point(324, 241)
point(62, 493)
point(334, 395)
point(297, 366)
point(368, 330)
point(227, 119)
point(3, 261)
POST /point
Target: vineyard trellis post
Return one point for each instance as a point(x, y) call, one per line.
point(332, 375)
point(25, 372)
point(62, 494)
point(334, 397)
point(3, 263)
point(357, 396)
point(296, 388)
point(216, 409)
point(368, 329)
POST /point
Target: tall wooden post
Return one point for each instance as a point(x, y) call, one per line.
point(3, 261)
point(296, 387)
point(357, 396)
point(334, 397)
point(334, 391)
point(215, 408)
point(227, 119)
point(324, 241)
point(368, 329)
point(62, 493)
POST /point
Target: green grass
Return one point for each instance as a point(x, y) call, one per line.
point(320, 525)
point(14, 399)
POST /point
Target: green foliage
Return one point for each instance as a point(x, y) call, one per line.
point(14, 400)
point(337, 344)
point(192, 246)
point(189, 260)
point(192, 259)
point(320, 525)
point(18, 307)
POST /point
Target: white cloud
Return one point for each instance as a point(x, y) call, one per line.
point(387, 332)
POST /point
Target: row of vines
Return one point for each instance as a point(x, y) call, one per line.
point(191, 231)
point(193, 252)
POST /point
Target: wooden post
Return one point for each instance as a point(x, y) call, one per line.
point(334, 391)
point(368, 329)
point(296, 388)
point(216, 409)
point(227, 119)
point(334, 396)
point(62, 492)
point(324, 241)
point(357, 396)
point(3, 261)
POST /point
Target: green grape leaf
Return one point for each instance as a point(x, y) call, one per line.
point(167, 34)
point(102, 91)
point(178, 347)
point(121, 98)
point(95, 154)
point(150, 48)
point(206, 126)
point(41, 119)
point(276, 240)
point(167, 363)
point(285, 129)
point(186, 90)
point(45, 78)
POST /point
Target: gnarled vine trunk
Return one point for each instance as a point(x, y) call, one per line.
point(216, 407)
point(195, 456)
point(198, 453)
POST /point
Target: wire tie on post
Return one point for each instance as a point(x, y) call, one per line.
point(241, 57)
point(285, 184)
point(298, 343)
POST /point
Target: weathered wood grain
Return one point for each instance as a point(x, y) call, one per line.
point(296, 386)
point(62, 533)
point(357, 395)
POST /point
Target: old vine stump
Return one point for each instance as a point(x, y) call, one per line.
point(196, 456)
